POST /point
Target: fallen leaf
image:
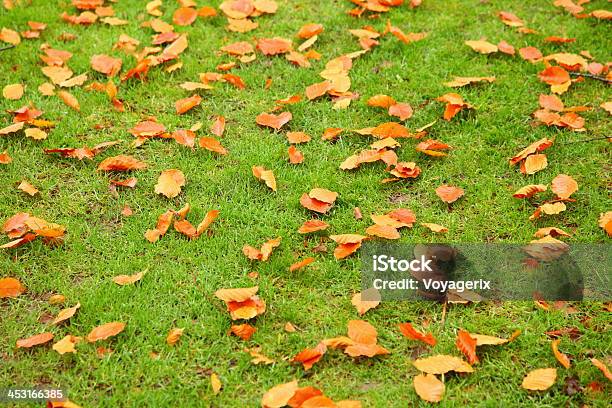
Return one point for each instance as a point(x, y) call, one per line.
point(28, 188)
point(564, 186)
point(10, 288)
point(372, 299)
point(66, 314)
point(561, 358)
point(66, 344)
point(273, 121)
point(105, 331)
point(482, 47)
point(170, 182)
point(13, 91)
point(312, 226)
point(35, 340)
point(124, 280)
point(215, 383)
point(467, 345)
point(449, 194)
point(244, 331)
point(410, 332)
point(309, 357)
point(602, 367)
point(266, 176)
point(121, 163)
point(441, 364)
point(279, 395)
point(183, 105)
point(428, 387)
point(301, 264)
point(174, 335)
point(540, 379)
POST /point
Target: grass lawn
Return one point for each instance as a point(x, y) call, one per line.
point(178, 290)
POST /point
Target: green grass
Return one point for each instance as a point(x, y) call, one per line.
point(183, 275)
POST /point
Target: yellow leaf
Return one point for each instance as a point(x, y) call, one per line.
point(428, 387)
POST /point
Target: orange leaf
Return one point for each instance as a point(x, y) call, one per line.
point(279, 395)
point(266, 176)
point(183, 105)
point(218, 126)
point(383, 231)
point(170, 182)
point(482, 47)
point(106, 65)
point(538, 146)
point(295, 156)
point(105, 331)
point(402, 110)
point(236, 295)
point(210, 217)
point(297, 137)
point(174, 336)
point(413, 334)
point(540, 379)
point(273, 46)
point(313, 204)
point(123, 280)
point(212, 144)
point(35, 340)
point(390, 129)
point(561, 358)
point(310, 30)
point(5, 158)
point(428, 387)
point(554, 76)
point(312, 226)
point(10, 288)
point(121, 163)
point(273, 121)
point(244, 331)
point(441, 364)
point(184, 16)
point(362, 332)
point(564, 186)
point(69, 100)
point(362, 305)
point(186, 228)
point(299, 265)
point(381, 101)
point(531, 54)
point(304, 394)
point(66, 314)
point(449, 194)
point(309, 357)
point(319, 89)
point(602, 367)
point(529, 191)
point(467, 345)
point(551, 102)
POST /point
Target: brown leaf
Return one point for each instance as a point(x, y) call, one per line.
point(244, 331)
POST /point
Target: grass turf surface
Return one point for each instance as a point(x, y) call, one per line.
point(177, 291)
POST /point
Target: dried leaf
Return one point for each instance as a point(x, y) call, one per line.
point(428, 387)
point(540, 379)
point(170, 182)
point(10, 288)
point(105, 331)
